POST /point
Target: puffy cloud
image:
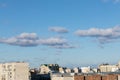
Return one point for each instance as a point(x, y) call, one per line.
point(24, 39)
point(28, 36)
point(58, 29)
point(31, 39)
point(103, 35)
point(56, 42)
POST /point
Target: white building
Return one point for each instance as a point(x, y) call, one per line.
point(14, 71)
point(108, 68)
point(85, 69)
point(61, 70)
point(44, 69)
point(76, 70)
point(119, 64)
point(68, 70)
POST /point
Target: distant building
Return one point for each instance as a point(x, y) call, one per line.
point(118, 64)
point(64, 76)
point(47, 68)
point(95, 70)
point(14, 71)
point(44, 69)
point(76, 70)
point(33, 74)
point(85, 69)
point(108, 68)
point(61, 70)
point(67, 70)
point(118, 77)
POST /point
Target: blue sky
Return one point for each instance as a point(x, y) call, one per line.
point(67, 32)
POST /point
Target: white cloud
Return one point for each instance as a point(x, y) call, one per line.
point(31, 39)
point(58, 29)
point(24, 39)
point(103, 35)
point(53, 41)
point(28, 36)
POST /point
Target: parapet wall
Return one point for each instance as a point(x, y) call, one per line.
point(97, 77)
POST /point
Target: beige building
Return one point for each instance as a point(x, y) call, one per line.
point(68, 70)
point(47, 68)
point(61, 70)
point(108, 68)
point(118, 65)
point(14, 71)
point(44, 69)
point(118, 77)
point(76, 70)
point(64, 76)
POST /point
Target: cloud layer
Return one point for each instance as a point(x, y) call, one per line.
point(58, 29)
point(31, 39)
point(103, 35)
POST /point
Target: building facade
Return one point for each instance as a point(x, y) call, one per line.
point(108, 68)
point(14, 71)
point(85, 69)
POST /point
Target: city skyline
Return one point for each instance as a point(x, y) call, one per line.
point(66, 32)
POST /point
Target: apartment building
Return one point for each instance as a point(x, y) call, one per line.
point(108, 68)
point(14, 71)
